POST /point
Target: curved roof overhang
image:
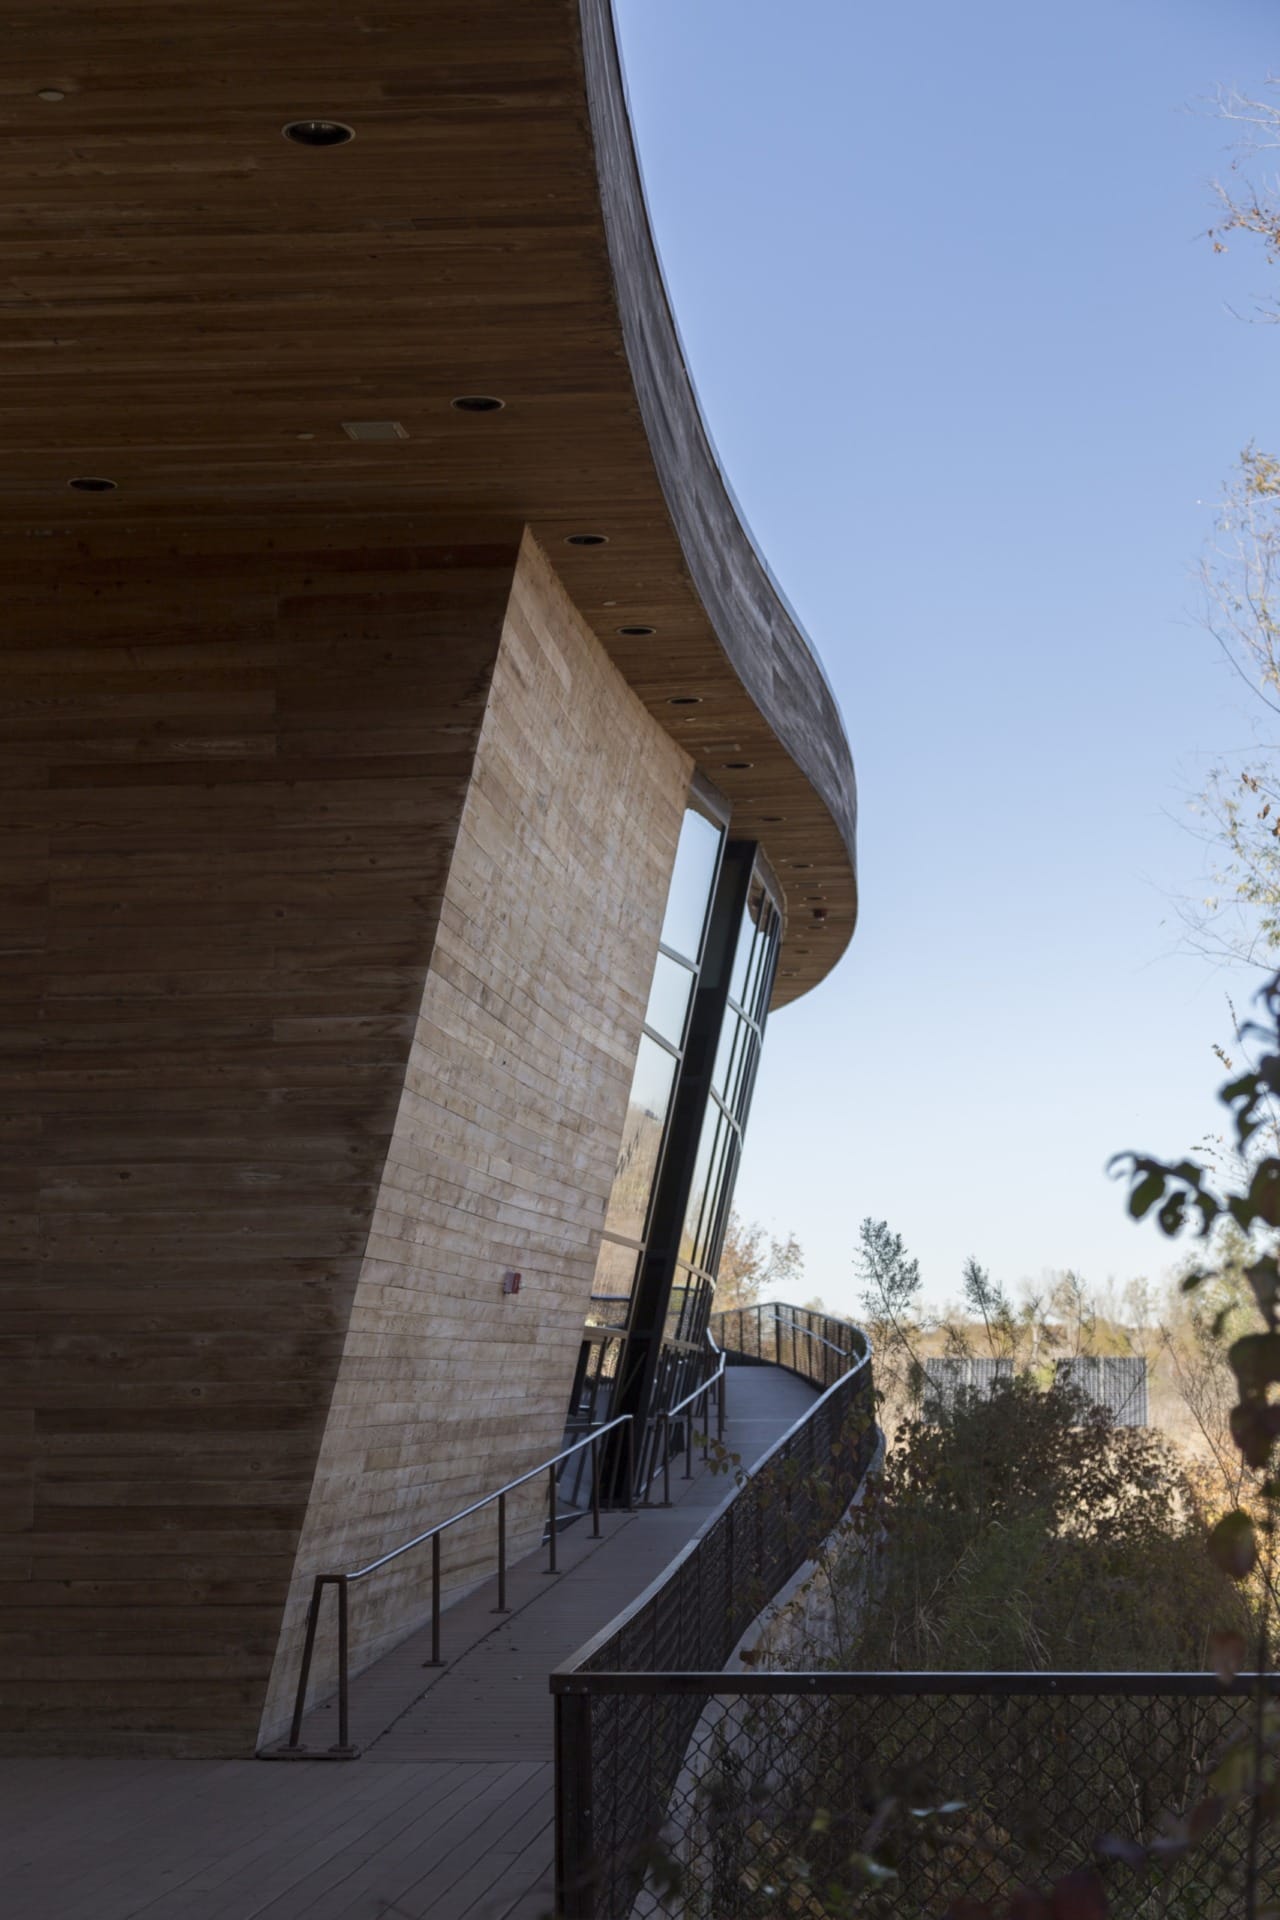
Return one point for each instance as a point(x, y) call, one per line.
point(196, 306)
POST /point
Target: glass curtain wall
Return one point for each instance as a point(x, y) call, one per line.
point(645, 1341)
point(649, 1106)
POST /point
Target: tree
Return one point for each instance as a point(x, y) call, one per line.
point(753, 1262)
point(891, 1286)
point(1240, 578)
point(986, 1300)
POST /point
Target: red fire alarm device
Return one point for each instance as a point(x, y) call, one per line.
point(511, 1282)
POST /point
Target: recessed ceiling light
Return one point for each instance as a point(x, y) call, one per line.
point(802, 866)
point(91, 483)
point(639, 632)
point(586, 539)
point(736, 766)
point(685, 700)
point(374, 430)
point(318, 133)
point(772, 819)
point(50, 93)
point(478, 403)
point(789, 973)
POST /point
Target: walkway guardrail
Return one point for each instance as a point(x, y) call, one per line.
point(620, 1752)
point(682, 1415)
point(968, 1786)
point(772, 1335)
point(343, 1582)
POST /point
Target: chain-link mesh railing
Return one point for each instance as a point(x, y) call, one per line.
point(613, 1792)
point(777, 1789)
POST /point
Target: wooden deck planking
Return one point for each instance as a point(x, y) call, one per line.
point(449, 1814)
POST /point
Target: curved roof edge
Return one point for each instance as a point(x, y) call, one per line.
point(756, 628)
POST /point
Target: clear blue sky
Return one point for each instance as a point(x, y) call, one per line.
point(971, 370)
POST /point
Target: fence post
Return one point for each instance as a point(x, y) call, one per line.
point(344, 1678)
point(502, 1606)
point(435, 1660)
point(551, 1502)
point(631, 1463)
point(720, 1406)
point(308, 1648)
point(595, 1489)
point(575, 1850)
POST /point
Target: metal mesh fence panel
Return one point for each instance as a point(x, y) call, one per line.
point(627, 1770)
point(770, 1797)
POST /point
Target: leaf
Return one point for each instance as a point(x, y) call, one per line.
point(1226, 1654)
point(1235, 1772)
point(1116, 1846)
point(1204, 1817)
point(1255, 1361)
point(1233, 1545)
point(1264, 1277)
point(1145, 1194)
point(1252, 1431)
point(871, 1870)
point(1081, 1896)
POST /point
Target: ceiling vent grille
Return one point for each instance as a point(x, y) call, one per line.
point(374, 430)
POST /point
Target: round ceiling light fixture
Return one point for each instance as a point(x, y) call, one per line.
point(685, 700)
point(772, 819)
point(50, 93)
point(802, 866)
point(736, 766)
point(478, 403)
point(91, 483)
point(638, 632)
point(318, 133)
point(586, 539)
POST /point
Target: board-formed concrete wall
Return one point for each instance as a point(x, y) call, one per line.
point(506, 1140)
point(230, 785)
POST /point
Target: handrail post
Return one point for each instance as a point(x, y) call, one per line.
point(502, 1606)
point(575, 1896)
point(308, 1648)
point(435, 1660)
point(551, 1476)
point(595, 1489)
point(688, 1444)
point(720, 1408)
point(631, 1463)
point(344, 1677)
point(706, 1425)
point(666, 1459)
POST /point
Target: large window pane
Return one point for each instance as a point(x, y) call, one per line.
point(691, 883)
point(641, 1139)
point(612, 1286)
point(701, 1176)
point(742, 957)
point(669, 999)
point(714, 1194)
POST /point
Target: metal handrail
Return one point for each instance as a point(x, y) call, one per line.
point(668, 1414)
point(782, 1315)
point(846, 1353)
point(344, 1581)
point(695, 1613)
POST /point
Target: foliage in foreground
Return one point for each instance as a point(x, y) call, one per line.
point(1026, 1531)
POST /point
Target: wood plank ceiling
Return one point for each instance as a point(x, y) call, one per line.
point(194, 306)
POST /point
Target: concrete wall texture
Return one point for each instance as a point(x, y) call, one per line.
point(506, 1139)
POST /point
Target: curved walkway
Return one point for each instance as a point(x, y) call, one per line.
point(453, 1820)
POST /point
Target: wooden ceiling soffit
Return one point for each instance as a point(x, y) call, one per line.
point(200, 310)
point(751, 619)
